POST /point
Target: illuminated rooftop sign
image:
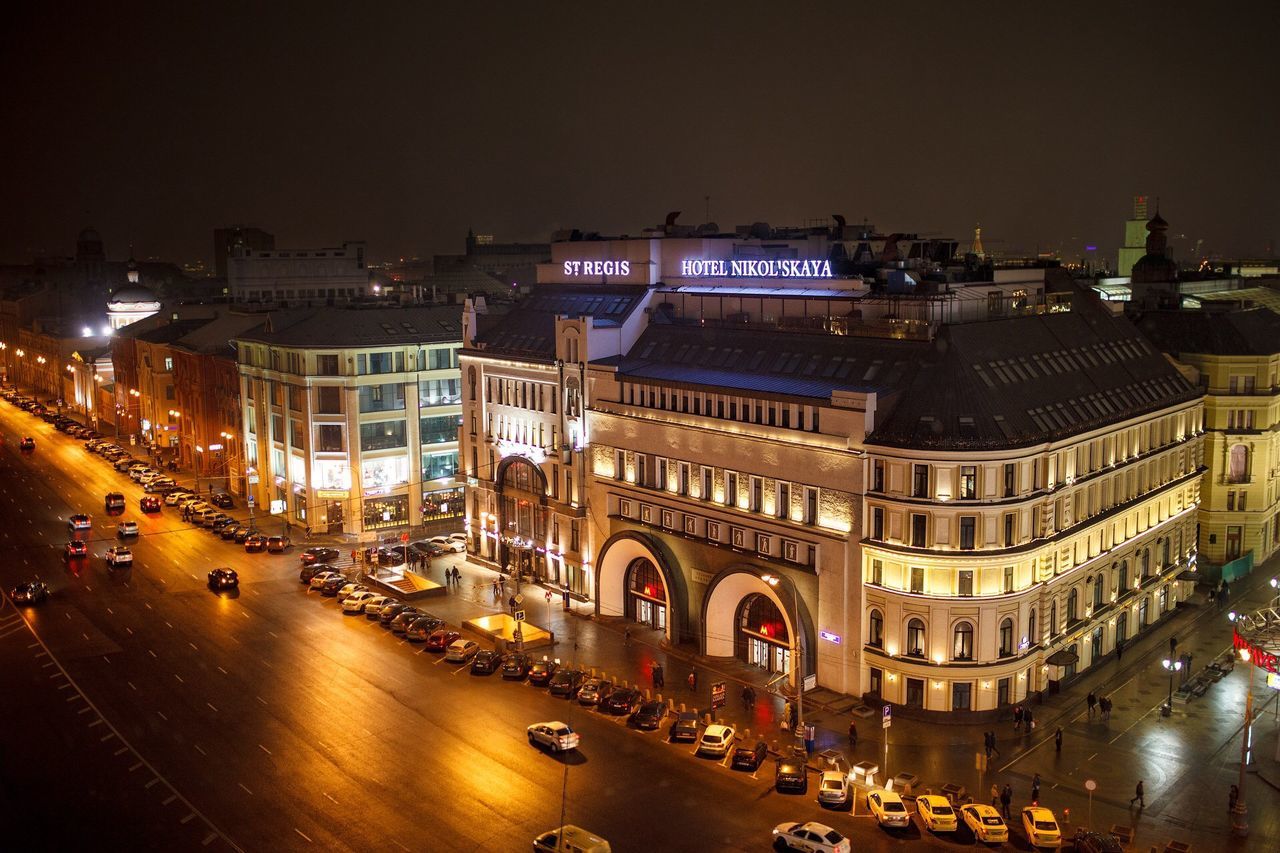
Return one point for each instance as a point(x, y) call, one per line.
point(594, 268)
point(785, 268)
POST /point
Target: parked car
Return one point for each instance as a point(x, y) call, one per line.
point(354, 603)
point(1041, 828)
point(113, 501)
point(373, 604)
point(76, 548)
point(422, 626)
point(461, 651)
point(175, 498)
point(222, 522)
point(223, 578)
point(936, 813)
point(556, 736)
point(149, 503)
point(255, 542)
point(348, 589)
point(319, 578)
point(888, 809)
point(621, 701)
point(391, 611)
point(159, 486)
point(278, 544)
point(319, 555)
point(811, 837)
point(648, 716)
point(228, 533)
point(684, 727)
point(541, 671)
point(31, 592)
point(833, 788)
point(717, 739)
point(566, 682)
point(127, 528)
point(985, 823)
point(331, 585)
point(516, 665)
point(440, 639)
point(119, 555)
point(593, 690)
point(790, 773)
point(444, 543)
point(374, 611)
point(402, 620)
point(426, 549)
point(1096, 842)
point(570, 839)
point(486, 662)
point(242, 534)
point(222, 499)
point(749, 757)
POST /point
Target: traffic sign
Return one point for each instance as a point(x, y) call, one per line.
point(404, 537)
point(1090, 785)
point(886, 716)
point(251, 502)
point(518, 615)
point(518, 599)
point(548, 596)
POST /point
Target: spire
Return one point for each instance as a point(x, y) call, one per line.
point(976, 248)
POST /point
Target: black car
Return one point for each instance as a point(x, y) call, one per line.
point(486, 662)
point(332, 585)
point(228, 533)
point(515, 665)
point(1096, 842)
point(749, 757)
point(113, 501)
point(242, 533)
point(566, 682)
point(389, 613)
point(31, 592)
point(541, 671)
point(309, 571)
point(622, 701)
point(255, 542)
point(222, 499)
point(222, 524)
point(319, 555)
point(684, 727)
point(149, 503)
point(27, 443)
point(790, 774)
point(406, 617)
point(648, 716)
point(223, 579)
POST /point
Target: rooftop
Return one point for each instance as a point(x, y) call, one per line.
point(1254, 331)
point(332, 327)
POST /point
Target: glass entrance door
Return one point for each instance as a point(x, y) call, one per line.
point(651, 613)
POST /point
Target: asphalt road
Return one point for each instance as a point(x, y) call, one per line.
point(265, 719)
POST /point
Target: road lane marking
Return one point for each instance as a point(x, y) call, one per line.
point(215, 710)
point(179, 677)
point(131, 687)
point(108, 736)
point(260, 699)
point(162, 716)
point(121, 751)
point(194, 646)
point(199, 750)
point(303, 834)
point(168, 799)
point(188, 818)
point(331, 799)
point(152, 653)
point(135, 767)
point(246, 790)
point(221, 670)
point(208, 838)
point(264, 749)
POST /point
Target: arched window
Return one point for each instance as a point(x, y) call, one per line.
point(1238, 464)
point(1146, 563)
point(1164, 553)
point(962, 642)
point(875, 631)
point(1006, 637)
point(1073, 605)
point(915, 638)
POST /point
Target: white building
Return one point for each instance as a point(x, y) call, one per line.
point(329, 398)
point(329, 276)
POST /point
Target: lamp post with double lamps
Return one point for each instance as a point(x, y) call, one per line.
point(1172, 666)
point(797, 648)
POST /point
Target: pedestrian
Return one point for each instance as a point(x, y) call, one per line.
point(1107, 709)
point(626, 637)
point(1137, 797)
point(1119, 650)
point(1224, 592)
point(751, 696)
point(746, 697)
point(1030, 721)
point(1091, 701)
point(994, 748)
point(995, 796)
point(853, 733)
point(659, 676)
point(693, 679)
point(1035, 790)
point(1006, 797)
point(1017, 718)
point(986, 743)
point(1057, 740)
point(353, 556)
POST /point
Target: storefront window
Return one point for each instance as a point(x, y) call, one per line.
point(436, 465)
point(441, 504)
point(389, 511)
point(300, 506)
point(438, 430)
point(382, 435)
point(331, 474)
point(384, 473)
point(388, 397)
point(297, 470)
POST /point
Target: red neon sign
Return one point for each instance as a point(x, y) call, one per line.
point(1257, 656)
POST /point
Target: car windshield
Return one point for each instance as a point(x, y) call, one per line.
point(711, 738)
point(832, 783)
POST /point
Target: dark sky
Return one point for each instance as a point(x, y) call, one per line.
point(405, 125)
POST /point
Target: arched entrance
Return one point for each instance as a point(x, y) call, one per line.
point(762, 638)
point(646, 594)
point(636, 579)
point(522, 514)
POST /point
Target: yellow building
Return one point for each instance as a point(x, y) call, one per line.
point(1235, 356)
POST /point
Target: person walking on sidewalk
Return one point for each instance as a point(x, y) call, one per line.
point(658, 677)
point(1035, 790)
point(1017, 718)
point(986, 743)
point(693, 679)
point(746, 697)
point(626, 637)
point(1119, 650)
point(1137, 797)
point(853, 734)
point(995, 795)
point(994, 748)
point(1006, 797)
point(1091, 701)
point(1057, 740)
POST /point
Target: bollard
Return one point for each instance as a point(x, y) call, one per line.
point(706, 719)
point(681, 707)
point(593, 672)
point(746, 734)
point(646, 694)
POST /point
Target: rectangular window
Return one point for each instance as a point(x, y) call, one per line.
point(965, 582)
point(328, 400)
point(917, 579)
point(1008, 578)
point(877, 476)
point(757, 494)
point(707, 478)
point(168, 364)
point(684, 478)
point(968, 482)
point(1009, 521)
point(573, 536)
point(295, 433)
point(810, 506)
point(877, 523)
point(329, 438)
point(730, 489)
point(1243, 499)
point(920, 481)
point(619, 464)
point(296, 395)
point(1010, 480)
point(438, 430)
point(382, 435)
point(382, 398)
point(877, 572)
point(327, 365)
point(968, 525)
point(1231, 501)
point(919, 525)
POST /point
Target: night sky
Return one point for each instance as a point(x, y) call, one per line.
point(324, 122)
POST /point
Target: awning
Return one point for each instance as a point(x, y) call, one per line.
point(1063, 657)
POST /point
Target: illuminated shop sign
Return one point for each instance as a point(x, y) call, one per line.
point(696, 268)
point(594, 268)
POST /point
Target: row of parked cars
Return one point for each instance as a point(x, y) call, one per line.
point(60, 422)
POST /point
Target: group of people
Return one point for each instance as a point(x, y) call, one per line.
point(1102, 704)
point(452, 577)
point(1001, 798)
point(422, 562)
point(1022, 716)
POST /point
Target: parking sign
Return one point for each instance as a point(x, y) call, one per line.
point(886, 716)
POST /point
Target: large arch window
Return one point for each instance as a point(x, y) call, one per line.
point(1238, 464)
point(1006, 637)
point(875, 631)
point(962, 642)
point(524, 475)
point(915, 638)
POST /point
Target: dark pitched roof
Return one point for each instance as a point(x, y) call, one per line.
point(350, 327)
point(171, 331)
point(1255, 331)
point(528, 329)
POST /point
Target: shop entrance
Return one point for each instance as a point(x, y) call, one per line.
point(335, 516)
point(647, 594)
point(762, 638)
point(651, 614)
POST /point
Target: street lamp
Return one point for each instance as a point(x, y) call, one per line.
point(1172, 666)
point(1240, 814)
point(797, 649)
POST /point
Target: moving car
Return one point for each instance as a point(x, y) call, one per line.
point(515, 665)
point(355, 602)
point(717, 739)
point(113, 501)
point(833, 788)
point(127, 528)
point(312, 556)
point(255, 542)
point(684, 727)
point(541, 671)
point(570, 839)
point(936, 813)
point(1041, 827)
point(31, 592)
point(811, 837)
point(27, 443)
point(461, 651)
point(486, 662)
point(790, 774)
point(888, 808)
point(444, 543)
point(566, 682)
point(278, 544)
point(749, 757)
point(149, 503)
point(80, 521)
point(223, 578)
point(119, 555)
point(985, 823)
point(76, 548)
point(222, 499)
point(556, 736)
point(593, 690)
point(620, 701)
point(648, 716)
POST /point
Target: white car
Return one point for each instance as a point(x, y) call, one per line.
point(1041, 827)
point(812, 837)
point(318, 579)
point(716, 740)
point(373, 605)
point(936, 813)
point(348, 590)
point(356, 601)
point(985, 823)
point(136, 474)
point(459, 537)
point(448, 544)
point(833, 788)
point(149, 475)
point(461, 651)
point(555, 736)
point(119, 555)
point(175, 498)
point(127, 528)
point(888, 808)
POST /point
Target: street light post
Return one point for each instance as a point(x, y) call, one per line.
point(1172, 666)
point(797, 648)
point(1240, 814)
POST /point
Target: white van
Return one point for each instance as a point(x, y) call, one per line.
point(571, 839)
